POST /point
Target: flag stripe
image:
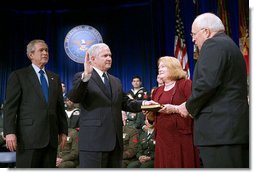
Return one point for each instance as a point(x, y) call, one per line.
point(180, 49)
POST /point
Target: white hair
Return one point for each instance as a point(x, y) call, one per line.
point(95, 49)
point(210, 21)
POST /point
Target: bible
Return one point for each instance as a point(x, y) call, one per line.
point(153, 108)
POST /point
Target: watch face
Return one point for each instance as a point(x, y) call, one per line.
point(78, 40)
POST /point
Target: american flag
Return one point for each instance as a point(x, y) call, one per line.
point(180, 49)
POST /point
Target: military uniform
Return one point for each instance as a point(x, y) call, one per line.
point(70, 152)
point(146, 147)
point(141, 94)
point(130, 142)
point(73, 118)
point(135, 120)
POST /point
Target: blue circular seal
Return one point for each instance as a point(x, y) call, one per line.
point(78, 40)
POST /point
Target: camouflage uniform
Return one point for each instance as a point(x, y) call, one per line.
point(70, 152)
point(135, 120)
point(130, 141)
point(146, 146)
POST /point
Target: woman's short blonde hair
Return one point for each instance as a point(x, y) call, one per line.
point(173, 64)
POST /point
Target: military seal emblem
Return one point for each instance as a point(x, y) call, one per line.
point(78, 40)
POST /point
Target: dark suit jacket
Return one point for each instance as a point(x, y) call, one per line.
point(26, 113)
point(101, 118)
point(219, 94)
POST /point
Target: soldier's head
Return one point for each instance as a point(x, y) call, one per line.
point(136, 82)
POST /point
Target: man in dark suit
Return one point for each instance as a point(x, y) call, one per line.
point(101, 100)
point(218, 103)
point(34, 116)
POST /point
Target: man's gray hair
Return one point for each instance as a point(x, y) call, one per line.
point(210, 21)
point(30, 46)
point(94, 49)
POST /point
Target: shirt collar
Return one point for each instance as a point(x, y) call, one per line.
point(37, 69)
point(99, 71)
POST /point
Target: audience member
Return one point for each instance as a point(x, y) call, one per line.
point(73, 114)
point(159, 82)
point(130, 143)
point(135, 120)
point(146, 147)
point(138, 92)
point(68, 156)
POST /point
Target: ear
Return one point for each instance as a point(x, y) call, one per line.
point(93, 58)
point(30, 56)
point(208, 33)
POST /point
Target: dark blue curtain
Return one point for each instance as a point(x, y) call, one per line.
point(137, 33)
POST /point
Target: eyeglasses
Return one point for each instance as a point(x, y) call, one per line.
point(194, 34)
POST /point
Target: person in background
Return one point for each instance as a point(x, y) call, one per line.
point(159, 82)
point(34, 116)
point(138, 92)
point(135, 120)
point(73, 114)
point(130, 143)
point(68, 156)
point(146, 147)
point(101, 99)
point(173, 134)
point(218, 103)
point(64, 90)
point(64, 94)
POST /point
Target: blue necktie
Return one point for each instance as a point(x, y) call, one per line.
point(107, 84)
point(44, 85)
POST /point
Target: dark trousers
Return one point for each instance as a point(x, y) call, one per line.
point(225, 156)
point(36, 158)
point(98, 159)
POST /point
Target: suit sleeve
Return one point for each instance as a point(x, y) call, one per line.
point(131, 105)
point(208, 76)
point(12, 102)
point(62, 120)
point(76, 94)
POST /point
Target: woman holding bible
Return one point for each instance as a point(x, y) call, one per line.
point(173, 134)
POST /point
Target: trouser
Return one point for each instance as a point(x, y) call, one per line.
point(225, 156)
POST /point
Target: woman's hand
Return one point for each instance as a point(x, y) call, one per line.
point(169, 109)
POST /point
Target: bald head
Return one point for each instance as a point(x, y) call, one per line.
point(209, 21)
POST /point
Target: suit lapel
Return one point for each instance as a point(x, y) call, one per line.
point(95, 76)
point(113, 87)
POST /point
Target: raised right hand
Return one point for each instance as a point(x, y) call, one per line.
point(88, 68)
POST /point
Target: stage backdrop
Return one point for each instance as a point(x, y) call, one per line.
point(137, 32)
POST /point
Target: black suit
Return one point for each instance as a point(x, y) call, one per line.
point(219, 102)
point(101, 119)
point(26, 114)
